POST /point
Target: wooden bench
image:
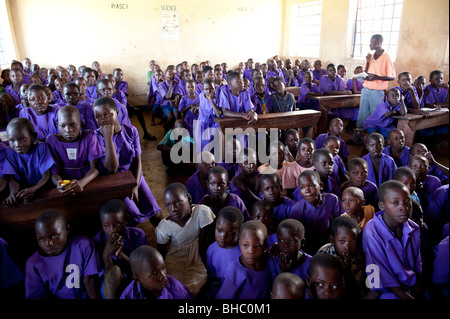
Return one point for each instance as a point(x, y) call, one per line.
point(280, 121)
point(410, 123)
point(74, 207)
point(295, 90)
point(327, 102)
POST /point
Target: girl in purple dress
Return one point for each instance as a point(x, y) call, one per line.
point(76, 152)
point(123, 153)
point(57, 93)
point(397, 148)
point(27, 162)
point(188, 106)
point(262, 211)
point(335, 128)
point(72, 95)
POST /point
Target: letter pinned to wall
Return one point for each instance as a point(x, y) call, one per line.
point(170, 24)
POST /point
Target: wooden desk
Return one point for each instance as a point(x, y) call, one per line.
point(327, 102)
point(280, 121)
point(74, 207)
point(410, 123)
point(295, 90)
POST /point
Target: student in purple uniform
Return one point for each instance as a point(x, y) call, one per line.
point(26, 62)
point(197, 182)
point(248, 70)
point(335, 128)
point(76, 152)
point(288, 286)
point(397, 148)
point(13, 89)
point(244, 183)
point(436, 93)
point(122, 152)
point(408, 91)
point(325, 279)
point(88, 75)
point(357, 177)
point(270, 188)
point(64, 266)
point(354, 84)
point(188, 106)
point(118, 94)
point(81, 82)
point(36, 79)
point(290, 257)
point(23, 97)
point(151, 279)
point(248, 276)
point(381, 167)
point(305, 66)
point(317, 72)
point(355, 206)
point(6, 78)
point(315, 211)
point(114, 244)
point(262, 211)
point(425, 184)
point(19, 65)
point(181, 237)
point(218, 196)
point(186, 76)
point(57, 93)
point(208, 73)
point(224, 250)
point(308, 89)
point(71, 93)
point(255, 73)
point(436, 168)
point(292, 137)
point(290, 79)
point(42, 115)
point(419, 84)
point(65, 75)
point(11, 276)
point(9, 107)
point(344, 237)
point(282, 101)
point(391, 241)
point(272, 70)
point(332, 143)
point(436, 214)
point(261, 97)
point(323, 164)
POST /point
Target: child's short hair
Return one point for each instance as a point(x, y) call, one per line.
point(414, 146)
point(103, 81)
point(117, 70)
point(22, 122)
point(208, 81)
point(291, 132)
point(403, 171)
point(309, 173)
point(106, 101)
point(232, 75)
point(49, 215)
point(113, 206)
point(36, 87)
point(395, 130)
point(403, 73)
point(262, 203)
point(375, 136)
point(86, 70)
point(387, 186)
point(324, 260)
point(218, 170)
point(343, 221)
point(275, 177)
point(336, 119)
point(331, 138)
point(356, 161)
point(309, 72)
point(177, 187)
point(207, 68)
point(422, 158)
point(294, 283)
point(330, 65)
point(140, 257)
point(71, 85)
point(340, 66)
point(231, 214)
point(16, 63)
point(279, 78)
point(305, 140)
point(433, 73)
point(254, 225)
point(294, 225)
point(320, 152)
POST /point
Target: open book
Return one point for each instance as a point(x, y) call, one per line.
point(361, 76)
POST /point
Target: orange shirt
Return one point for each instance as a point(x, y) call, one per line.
point(382, 66)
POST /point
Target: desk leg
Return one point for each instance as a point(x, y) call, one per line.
point(322, 124)
point(408, 131)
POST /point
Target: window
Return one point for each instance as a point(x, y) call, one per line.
point(7, 51)
point(377, 17)
point(306, 21)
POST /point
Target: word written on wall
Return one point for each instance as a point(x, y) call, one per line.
point(119, 5)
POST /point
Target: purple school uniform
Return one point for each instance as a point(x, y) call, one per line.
point(438, 204)
point(244, 283)
point(9, 117)
point(195, 188)
point(173, 290)
point(302, 72)
point(133, 238)
point(3, 148)
point(317, 220)
point(429, 185)
point(440, 267)
point(127, 147)
point(123, 87)
point(271, 239)
point(163, 88)
point(333, 188)
point(86, 110)
point(44, 124)
point(198, 88)
point(317, 75)
point(205, 126)
point(10, 274)
point(58, 276)
point(299, 79)
point(258, 102)
point(378, 118)
point(233, 169)
point(248, 74)
point(189, 116)
point(302, 271)
point(326, 84)
point(234, 201)
point(238, 104)
point(386, 171)
point(91, 91)
point(217, 260)
point(434, 95)
point(435, 171)
point(339, 171)
point(271, 73)
point(15, 95)
point(370, 191)
point(343, 150)
point(407, 96)
point(121, 97)
point(58, 98)
point(28, 168)
point(123, 115)
point(72, 159)
point(307, 103)
point(349, 85)
point(398, 261)
point(282, 210)
point(404, 157)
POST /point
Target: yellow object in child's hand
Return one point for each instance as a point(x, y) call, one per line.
point(66, 183)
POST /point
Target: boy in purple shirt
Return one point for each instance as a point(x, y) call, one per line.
point(89, 76)
point(408, 91)
point(436, 93)
point(381, 166)
point(248, 276)
point(317, 72)
point(272, 71)
point(425, 184)
point(261, 97)
point(150, 278)
point(397, 148)
point(308, 89)
point(315, 211)
point(354, 84)
point(197, 182)
point(13, 89)
point(72, 95)
point(335, 128)
point(64, 267)
point(391, 245)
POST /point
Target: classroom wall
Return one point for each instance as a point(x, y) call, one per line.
point(61, 32)
point(423, 43)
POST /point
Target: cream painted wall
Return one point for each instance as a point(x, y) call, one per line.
point(62, 32)
point(423, 43)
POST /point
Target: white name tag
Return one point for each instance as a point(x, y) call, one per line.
point(4, 136)
point(72, 153)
